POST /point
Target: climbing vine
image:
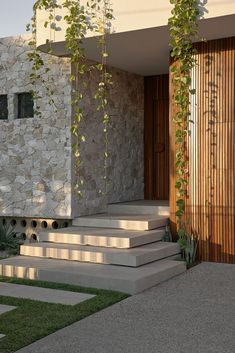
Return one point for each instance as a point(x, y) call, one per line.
point(93, 16)
point(183, 30)
point(105, 78)
point(35, 57)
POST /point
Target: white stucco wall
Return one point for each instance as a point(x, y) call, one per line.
point(134, 15)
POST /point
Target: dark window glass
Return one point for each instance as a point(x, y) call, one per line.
point(3, 107)
point(25, 105)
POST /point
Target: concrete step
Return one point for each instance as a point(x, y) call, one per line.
point(122, 221)
point(141, 207)
point(124, 279)
point(125, 257)
point(115, 238)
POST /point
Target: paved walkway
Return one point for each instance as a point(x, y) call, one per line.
point(43, 294)
point(192, 313)
point(5, 308)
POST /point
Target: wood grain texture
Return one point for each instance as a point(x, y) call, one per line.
point(211, 148)
point(156, 137)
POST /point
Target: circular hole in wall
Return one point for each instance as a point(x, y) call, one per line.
point(13, 222)
point(4, 222)
point(44, 224)
point(55, 225)
point(23, 223)
point(65, 224)
point(33, 237)
point(23, 236)
point(34, 224)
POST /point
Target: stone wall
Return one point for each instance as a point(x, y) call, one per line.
point(35, 153)
point(126, 155)
point(37, 174)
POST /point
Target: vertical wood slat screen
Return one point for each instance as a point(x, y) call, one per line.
point(211, 201)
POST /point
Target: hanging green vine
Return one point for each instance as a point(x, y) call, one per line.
point(94, 16)
point(183, 29)
point(35, 57)
point(78, 23)
point(105, 78)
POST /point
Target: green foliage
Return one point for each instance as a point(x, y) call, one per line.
point(188, 244)
point(183, 29)
point(9, 239)
point(167, 235)
point(92, 16)
point(35, 58)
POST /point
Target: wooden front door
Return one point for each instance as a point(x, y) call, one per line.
point(156, 137)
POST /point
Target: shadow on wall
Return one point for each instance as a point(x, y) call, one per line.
point(211, 202)
point(212, 208)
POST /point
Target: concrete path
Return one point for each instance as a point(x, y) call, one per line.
point(43, 294)
point(191, 313)
point(5, 308)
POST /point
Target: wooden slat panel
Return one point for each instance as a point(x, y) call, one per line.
point(148, 137)
point(211, 199)
point(157, 134)
point(161, 149)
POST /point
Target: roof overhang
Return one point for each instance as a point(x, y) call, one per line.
point(146, 52)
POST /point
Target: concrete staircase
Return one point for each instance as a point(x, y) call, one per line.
point(121, 250)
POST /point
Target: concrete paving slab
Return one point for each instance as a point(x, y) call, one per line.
point(43, 294)
point(5, 308)
point(191, 313)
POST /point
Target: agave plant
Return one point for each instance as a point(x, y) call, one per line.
point(9, 239)
point(188, 244)
point(167, 234)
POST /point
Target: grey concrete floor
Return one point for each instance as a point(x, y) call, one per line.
point(192, 313)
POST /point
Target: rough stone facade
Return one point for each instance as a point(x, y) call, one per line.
point(35, 153)
point(36, 159)
point(125, 149)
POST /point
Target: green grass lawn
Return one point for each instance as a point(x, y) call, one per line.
point(33, 320)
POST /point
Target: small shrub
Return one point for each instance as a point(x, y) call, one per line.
point(188, 244)
point(10, 240)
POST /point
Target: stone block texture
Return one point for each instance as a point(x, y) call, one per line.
point(37, 173)
point(125, 171)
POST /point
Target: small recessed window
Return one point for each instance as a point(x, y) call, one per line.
point(3, 107)
point(25, 105)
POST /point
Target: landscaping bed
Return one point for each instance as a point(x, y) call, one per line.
point(32, 320)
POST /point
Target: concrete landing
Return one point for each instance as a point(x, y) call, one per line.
point(122, 221)
point(120, 278)
point(43, 294)
point(105, 237)
point(125, 257)
point(141, 207)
